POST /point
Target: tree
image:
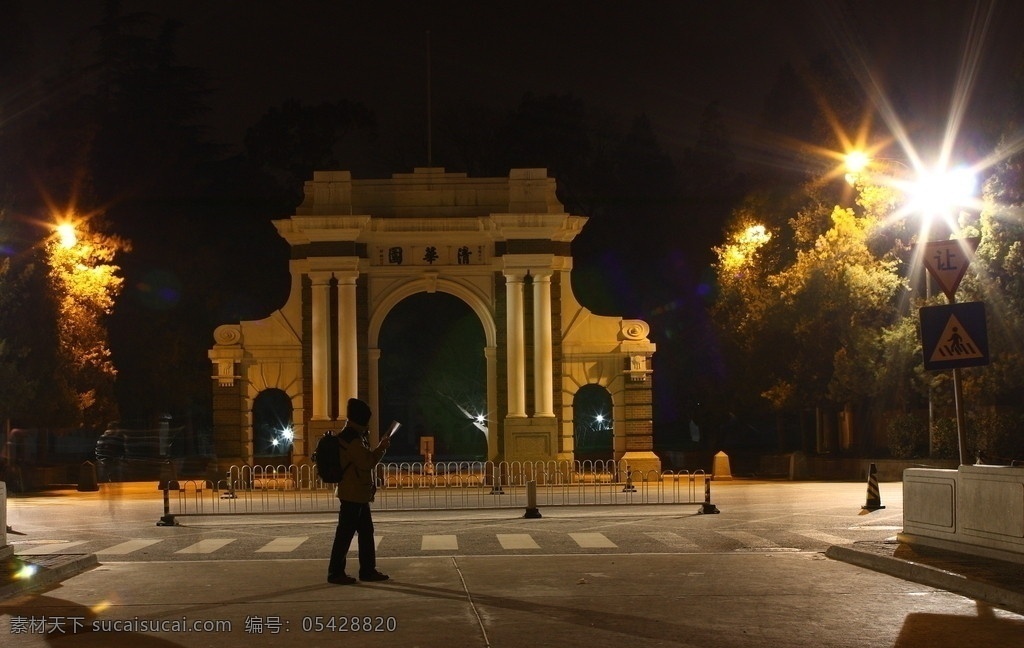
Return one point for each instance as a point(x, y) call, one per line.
point(292, 140)
point(819, 324)
point(85, 282)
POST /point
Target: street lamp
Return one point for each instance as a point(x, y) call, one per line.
point(67, 235)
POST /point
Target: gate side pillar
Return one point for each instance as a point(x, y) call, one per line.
point(638, 417)
point(531, 439)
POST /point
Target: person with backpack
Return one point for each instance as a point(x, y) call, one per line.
point(355, 492)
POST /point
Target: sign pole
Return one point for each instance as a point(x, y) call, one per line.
point(947, 262)
point(961, 419)
point(958, 403)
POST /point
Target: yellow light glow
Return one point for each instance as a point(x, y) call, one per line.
point(100, 607)
point(755, 235)
point(67, 234)
point(856, 161)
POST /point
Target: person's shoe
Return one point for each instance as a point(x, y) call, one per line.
point(373, 576)
point(341, 579)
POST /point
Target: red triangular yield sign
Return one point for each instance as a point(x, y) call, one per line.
point(947, 261)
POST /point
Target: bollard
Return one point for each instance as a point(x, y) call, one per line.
point(720, 466)
point(6, 551)
point(708, 507)
point(532, 512)
point(629, 488)
point(496, 481)
point(874, 499)
point(167, 519)
point(87, 478)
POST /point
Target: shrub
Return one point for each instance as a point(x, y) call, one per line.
point(947, 446)
point(907, 435)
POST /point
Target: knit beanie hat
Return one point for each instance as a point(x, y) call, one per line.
point(358, 412)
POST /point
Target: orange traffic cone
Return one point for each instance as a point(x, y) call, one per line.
point(874, 501)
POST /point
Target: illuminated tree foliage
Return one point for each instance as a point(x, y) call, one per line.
point(85, 283)
point(814, 327)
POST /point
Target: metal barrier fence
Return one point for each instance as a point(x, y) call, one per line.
point(438, 486)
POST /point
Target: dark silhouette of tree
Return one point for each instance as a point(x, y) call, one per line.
point(292, 140)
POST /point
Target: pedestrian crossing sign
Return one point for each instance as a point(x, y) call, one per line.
point(954, 336)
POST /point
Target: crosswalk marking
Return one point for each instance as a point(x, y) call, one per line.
point(354, 547)
point(206, 546)
point(748, 539)
point(439, 543)
point(827, 538)
point(517, 541)
point(282, 545)
point(592, 541)
point(128, 546)
point(673, 540)
point(50, 548)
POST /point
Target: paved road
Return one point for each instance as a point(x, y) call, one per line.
point(763, 517)
point(754, 575)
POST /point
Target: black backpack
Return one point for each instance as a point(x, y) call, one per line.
point(327, 458)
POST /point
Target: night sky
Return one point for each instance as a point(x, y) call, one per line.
point(665, 59)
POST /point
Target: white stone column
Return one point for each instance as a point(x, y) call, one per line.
point(321, 345)
point(373, 381)
point(348, 349)
point(491, 356)
point(543, 396)
point(516, 353)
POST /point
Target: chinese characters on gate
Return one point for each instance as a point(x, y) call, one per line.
point(430, 255)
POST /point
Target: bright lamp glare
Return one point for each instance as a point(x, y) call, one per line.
point(68, 237)
point(288, 434)
point(856, 161)
point(941, 191)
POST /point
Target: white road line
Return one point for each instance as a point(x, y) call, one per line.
point(205, 546)
point(827, 538)
point(50, 548)
point(354, 547)
point(673, 540)
point(748, 539)
point(439, 543)
point(592, 541)
point(517, 541)
point(282, 545)
point(128, 546)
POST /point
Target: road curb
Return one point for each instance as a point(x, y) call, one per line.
point(49, 570)
point(933, 577)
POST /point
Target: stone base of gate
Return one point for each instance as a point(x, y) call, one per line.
point(643, 465)
point(531, 439)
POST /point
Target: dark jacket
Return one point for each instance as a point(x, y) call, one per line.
point(358, 461)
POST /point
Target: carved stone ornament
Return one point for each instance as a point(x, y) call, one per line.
point(635, 330)
point(638, 368)
point(228, 334)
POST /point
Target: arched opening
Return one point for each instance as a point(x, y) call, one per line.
point(592, 424)
point(432, 377)
point(272, 427)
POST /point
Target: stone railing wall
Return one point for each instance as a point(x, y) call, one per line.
point(975, 509)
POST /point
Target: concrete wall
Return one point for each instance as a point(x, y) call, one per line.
point(975, 509)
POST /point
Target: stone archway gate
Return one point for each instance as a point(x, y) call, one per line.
point(502, 245)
